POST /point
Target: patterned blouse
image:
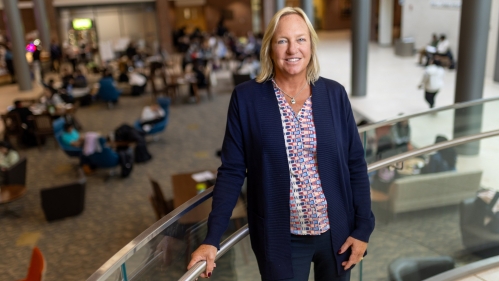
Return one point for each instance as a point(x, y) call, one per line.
point(307, 203)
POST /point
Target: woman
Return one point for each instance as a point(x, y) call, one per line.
point(293, 135)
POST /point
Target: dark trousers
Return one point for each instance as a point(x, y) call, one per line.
point(430, 98)
point(319, 250)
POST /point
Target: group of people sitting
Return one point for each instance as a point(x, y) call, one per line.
point(438, 49)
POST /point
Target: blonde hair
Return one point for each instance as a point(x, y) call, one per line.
point(267, 66)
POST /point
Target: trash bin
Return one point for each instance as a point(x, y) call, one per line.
point(404, 47)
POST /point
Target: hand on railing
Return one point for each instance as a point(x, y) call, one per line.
point(204, 253)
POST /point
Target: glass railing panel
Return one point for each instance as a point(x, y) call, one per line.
point(239, 264)
point(115, 276)
point(166, 256)
point(422, 130)
point(428, 214)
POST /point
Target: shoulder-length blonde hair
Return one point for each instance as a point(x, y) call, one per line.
point(267, 65)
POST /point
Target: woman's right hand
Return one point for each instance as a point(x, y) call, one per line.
point(204, 253)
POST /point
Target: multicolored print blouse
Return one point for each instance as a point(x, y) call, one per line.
point(307, 203)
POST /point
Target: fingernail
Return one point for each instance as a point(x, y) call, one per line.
point(209, 274)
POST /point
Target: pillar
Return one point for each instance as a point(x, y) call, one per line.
point(361, 14)
point(473, 37)
point(385, 22)
point(496, 65)
point(269, 9)
point(42, 23)
point(164, 16)
point(16, 32)
point(54, 19)
point(308, 8)
point(280, 4)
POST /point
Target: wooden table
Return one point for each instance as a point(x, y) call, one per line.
point(11, 193)
point(184, 188)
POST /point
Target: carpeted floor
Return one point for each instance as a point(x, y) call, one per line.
point(116, 211)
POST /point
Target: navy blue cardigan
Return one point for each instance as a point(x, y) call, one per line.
point(254, 147)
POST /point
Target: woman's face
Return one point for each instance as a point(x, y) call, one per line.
point(291, 47)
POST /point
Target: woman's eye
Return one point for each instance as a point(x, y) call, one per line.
point(281, 41)
point(302, 40)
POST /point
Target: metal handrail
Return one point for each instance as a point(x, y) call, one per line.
point(228, 243)
point(428, 149)
point(147, 235)
point(443, 108)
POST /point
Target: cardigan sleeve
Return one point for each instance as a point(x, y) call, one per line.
point(359, 181)
point(230, 176)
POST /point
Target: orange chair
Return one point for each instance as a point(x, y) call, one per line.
point(36, 266)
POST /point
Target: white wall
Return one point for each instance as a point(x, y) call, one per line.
point(420, 19)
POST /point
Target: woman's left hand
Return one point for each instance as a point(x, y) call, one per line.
point(358, 250)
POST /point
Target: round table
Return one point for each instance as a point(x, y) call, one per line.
point(11, 193)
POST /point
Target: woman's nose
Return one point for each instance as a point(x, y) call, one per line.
point(292, 48)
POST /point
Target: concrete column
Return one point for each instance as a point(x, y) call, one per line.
point(52, 18)
point(280, 4)
point(308, 8)
point(496, 67)
point(42, 23)
point(385, 22)
point(164, 16)
point(269, 9)
point(16, 31)
point(361, 14)
point(473, 37)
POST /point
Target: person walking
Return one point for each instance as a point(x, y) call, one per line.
point(292, 134)
point(433, 80)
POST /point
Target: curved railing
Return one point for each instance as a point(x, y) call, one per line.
point(394, 136)
point(431, 111)
point(196, 270)
point(142, 253)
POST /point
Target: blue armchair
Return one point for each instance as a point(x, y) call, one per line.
point(159, 127)
point(107, 91)
point(58, 126)
point(107, 158)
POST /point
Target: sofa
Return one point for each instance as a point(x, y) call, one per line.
point(476, 237)
point(419, 192)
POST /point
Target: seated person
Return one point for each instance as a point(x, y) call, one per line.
point(200, 77)
point(71, 137)
point(441, 161)
point(107, 88)
point(150, 115)
point(138, 82)
point(431, 46)
point(50, 86)
point(24, 114)
point(66, 78)
point(250, 66)
point(27, 137)
point(443, 50)
point(8, 156)
point(51, 98)
point(79, 80)
point(401, 136)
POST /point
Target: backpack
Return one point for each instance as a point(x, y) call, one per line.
point(126, 162)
